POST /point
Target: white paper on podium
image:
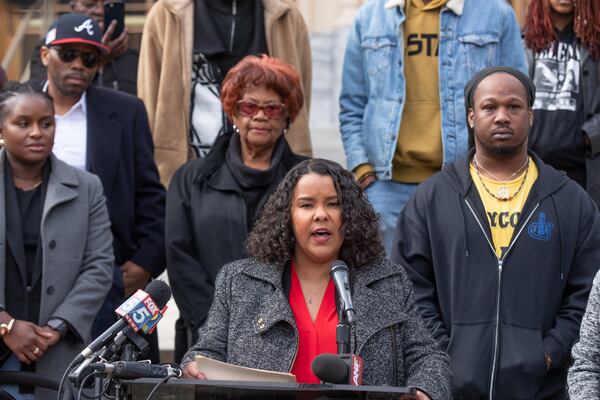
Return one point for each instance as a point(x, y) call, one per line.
point(220, 371)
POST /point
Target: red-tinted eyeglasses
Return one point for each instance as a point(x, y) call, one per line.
point(249, 109)
point(67, 55)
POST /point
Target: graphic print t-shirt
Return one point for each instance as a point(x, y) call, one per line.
point(558, 110)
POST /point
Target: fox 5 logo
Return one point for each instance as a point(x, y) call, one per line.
point(140, 315)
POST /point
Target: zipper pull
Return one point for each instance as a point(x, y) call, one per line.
point(500, 264)
point(232, 33)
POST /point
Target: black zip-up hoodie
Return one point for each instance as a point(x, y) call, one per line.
point(497, 318)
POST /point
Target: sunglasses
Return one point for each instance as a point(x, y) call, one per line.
point(249, 109)
point(88, 59)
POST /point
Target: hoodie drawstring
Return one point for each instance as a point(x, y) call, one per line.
point(464, 226)
point(562, 261)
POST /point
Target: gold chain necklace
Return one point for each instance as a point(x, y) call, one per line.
point(38, 183)
point(503, 191)
point(35, 185)
point(477, 165)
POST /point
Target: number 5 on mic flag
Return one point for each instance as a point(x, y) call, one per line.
point(141, 312)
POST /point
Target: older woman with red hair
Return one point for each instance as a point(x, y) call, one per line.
point(212, 202)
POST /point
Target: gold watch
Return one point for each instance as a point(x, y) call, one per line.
point(6, 328)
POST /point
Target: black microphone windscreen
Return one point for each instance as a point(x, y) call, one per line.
point(159, 291)
point(330, 368)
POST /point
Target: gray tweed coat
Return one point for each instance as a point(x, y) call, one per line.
point(251, 324)
point(77, 259)
point(584, 374)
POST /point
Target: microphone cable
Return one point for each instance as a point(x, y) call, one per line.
point(105, 388)
point(83, 382)
point(159, 384)
point(62, 381)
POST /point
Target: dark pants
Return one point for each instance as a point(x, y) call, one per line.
point(183, 340)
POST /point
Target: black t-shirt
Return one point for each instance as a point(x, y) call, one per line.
point(556, 135)
point(225, 31)
point(30, 209)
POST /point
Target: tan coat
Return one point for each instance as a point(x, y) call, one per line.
point(165, 74)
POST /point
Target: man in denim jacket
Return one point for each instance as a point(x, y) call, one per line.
point(402, 112)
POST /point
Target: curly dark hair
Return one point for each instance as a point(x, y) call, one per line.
point(272, 238)
point(539, 30)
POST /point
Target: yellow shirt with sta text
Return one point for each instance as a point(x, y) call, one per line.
point(419, 149)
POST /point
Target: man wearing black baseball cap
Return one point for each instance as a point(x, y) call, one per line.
point(502, 250)
point(106, 132)
point(76, 28)
point(118, 69)
point(72, 36)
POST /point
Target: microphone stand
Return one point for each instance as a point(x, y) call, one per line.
point(344, 348)
point(342, 331)
point(132, 346)
point(127, 346)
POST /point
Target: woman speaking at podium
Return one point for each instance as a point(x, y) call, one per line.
point(277, 310)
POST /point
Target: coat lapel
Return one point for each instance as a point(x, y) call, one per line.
point(367, 301)
point(14, 239)
point(62, 180)
point(60, 190)
point(275, 306)
point(223, 180)
point(103, 139)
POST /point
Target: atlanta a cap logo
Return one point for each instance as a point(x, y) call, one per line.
point(51, 36)
point(87, 25)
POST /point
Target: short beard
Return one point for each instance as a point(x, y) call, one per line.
point(501, 151)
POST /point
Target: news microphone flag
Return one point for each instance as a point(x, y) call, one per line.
point(146, 319)
point(141, 312)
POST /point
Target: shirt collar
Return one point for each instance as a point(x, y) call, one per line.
point(80, 104)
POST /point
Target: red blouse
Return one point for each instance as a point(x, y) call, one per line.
point(315, 337)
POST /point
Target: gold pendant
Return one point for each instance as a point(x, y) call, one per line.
point(503, 192)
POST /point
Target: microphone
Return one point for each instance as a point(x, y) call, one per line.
point(135, 370)
point(338, 369)
point(140, 312)
point(340, 274)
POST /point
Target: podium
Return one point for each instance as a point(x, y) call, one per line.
point(184, 389)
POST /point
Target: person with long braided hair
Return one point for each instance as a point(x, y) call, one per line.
point(562, 39)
